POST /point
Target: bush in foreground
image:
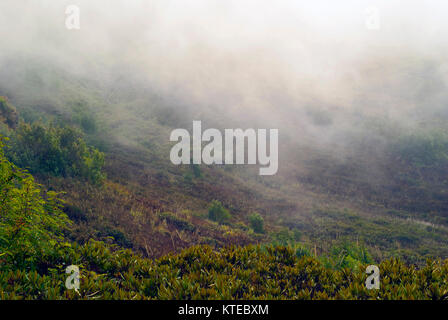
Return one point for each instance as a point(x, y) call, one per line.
point(230, 273)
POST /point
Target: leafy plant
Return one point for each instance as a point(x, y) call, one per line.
point(54, 150)
point(31, 223)
point(217, 212)
point(347, 255)
point(8, 113)
point(256, 222)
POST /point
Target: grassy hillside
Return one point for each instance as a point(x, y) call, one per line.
point(34, 256)
point(389, 196)
point(231, 273)
point(90, 94)
point(141, 228)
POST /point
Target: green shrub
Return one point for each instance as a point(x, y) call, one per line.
point(118, 237)
point(302, 251)
point(347, 255)
point(230, 273)
point(256, 222)
point(422, 150)
point(74, 213)
point(88, 123)
point(31, 222)
point(297, 234)
point(217, 212)
point(284, 237)
point(178, 222)
point(54, 150)
point(8, 113)
point(188, 177)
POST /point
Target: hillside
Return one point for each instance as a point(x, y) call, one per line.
point(148, 204)
point(223, 149)
point(35, 254)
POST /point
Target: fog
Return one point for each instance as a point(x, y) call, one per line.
point(309, 68)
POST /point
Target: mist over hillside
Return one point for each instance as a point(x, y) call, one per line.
point(361, 113)
point(271, 65)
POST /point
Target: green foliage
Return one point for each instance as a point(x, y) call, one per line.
point(118, 237)
point(192, 174)
point(84, 118)
point(188, 177)
point(178, 222)
point(30, 223)
point(423, 150)
point(196, 170)
point(396, 237)
point(297, 234)
point(256, 222)
point(54, 150)
point(33, 258)
point(230, 273)
point(217, 212)
point(235, 272)
point(74, 213)
point(347, 255)
point(284, 237)
point(302, 251)
point(8, 113)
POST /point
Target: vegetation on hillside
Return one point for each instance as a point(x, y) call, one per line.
point(217, 212)
point(203, 273)
point(333, 218)
point(34, 255)
point(31, 223)
point(8, 113)
point(55, 150)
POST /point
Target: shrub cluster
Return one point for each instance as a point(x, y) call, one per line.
point(218, 213)
point(55, 150)
point(8, 113)
point(202, 273)
point(256, 222)
point(34, 257)
point(31, 223)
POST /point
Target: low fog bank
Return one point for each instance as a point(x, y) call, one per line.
point(312, 69)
